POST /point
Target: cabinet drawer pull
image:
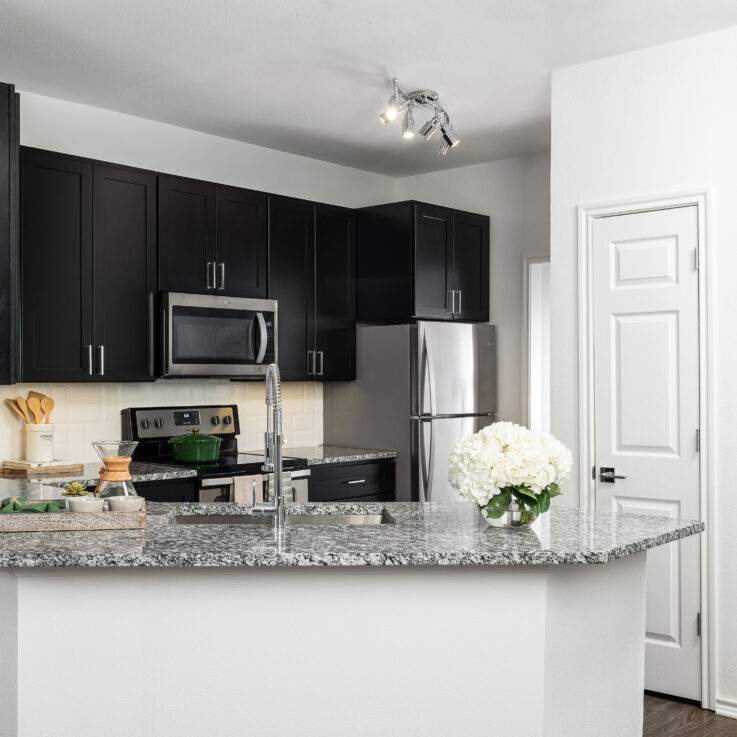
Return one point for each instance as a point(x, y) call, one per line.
point(355, 481)
point(450, 300)
point(221, 266)
point(322, 361)
point(208, 273)
point(458, 311)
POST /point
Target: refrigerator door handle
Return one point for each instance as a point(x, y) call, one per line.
point(426, 461)
point(428, 375)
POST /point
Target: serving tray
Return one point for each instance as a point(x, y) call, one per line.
point(72, 521)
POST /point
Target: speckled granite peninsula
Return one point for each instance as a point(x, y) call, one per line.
point(422, 626)
point(411, 535)
point(325, 455)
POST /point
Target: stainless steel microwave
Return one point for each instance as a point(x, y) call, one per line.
point(207, 335)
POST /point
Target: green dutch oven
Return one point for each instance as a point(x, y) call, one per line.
point(195, 448)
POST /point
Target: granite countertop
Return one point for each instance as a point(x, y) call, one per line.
point(49, 487)
point(324, 455)
point(418, 535)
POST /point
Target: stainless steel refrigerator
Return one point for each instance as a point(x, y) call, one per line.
point(419, 388)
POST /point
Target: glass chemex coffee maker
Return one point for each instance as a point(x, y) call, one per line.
point(115, 477)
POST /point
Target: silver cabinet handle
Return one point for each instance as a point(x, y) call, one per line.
point(88, 348)
point(450, 300)
point(458, 311)
point(322, 362)
point(608, 475)
point(208, 272)
point(355, 481)
point(101, 360)
point(221, 266)
point(310, 363)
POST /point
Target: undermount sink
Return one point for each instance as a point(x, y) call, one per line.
point(291, 519)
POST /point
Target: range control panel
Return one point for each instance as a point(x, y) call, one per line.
point(149, 423)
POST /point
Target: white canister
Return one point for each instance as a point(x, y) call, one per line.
point(39, 443)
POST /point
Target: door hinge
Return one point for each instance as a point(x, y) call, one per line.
point(698, 625)
point(696, 258)
point(698, 440)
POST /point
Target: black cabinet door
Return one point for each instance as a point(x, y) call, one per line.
point(9, 176)
point(335, 294)
point(56, 255)
point(124, 223)
point(187, 254)
point(242, 242)
point(291, 280)
point(433, 261)
point(471, 266)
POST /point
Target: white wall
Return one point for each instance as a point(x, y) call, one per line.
point(68, 127)
point(515, 193)
point(655, 121)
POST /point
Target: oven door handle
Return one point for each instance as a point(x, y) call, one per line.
point(263, 339)
point(227, 481)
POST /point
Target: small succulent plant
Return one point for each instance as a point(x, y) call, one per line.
point(75, 489)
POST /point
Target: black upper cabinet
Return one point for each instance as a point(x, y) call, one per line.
point(56, 257)
point(9, 170)
point(312, 275)
point(419, 261)
point(291, 279)
point(471, 266)
point(187, 257)
point(335, 294)
point(242, 242)
point(124, 238)
point(433, 261)
point(212, 238)
point(88, 272)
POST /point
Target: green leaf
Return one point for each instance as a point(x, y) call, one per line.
point(526, 492)
point(544, 503)
point(494, 513)
point(554, 490)
point(526, 501)
point(500, 500)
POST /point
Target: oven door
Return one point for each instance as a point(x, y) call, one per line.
point(205, 335)
point(221, 489)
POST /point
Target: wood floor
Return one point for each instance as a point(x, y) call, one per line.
point(671, 717)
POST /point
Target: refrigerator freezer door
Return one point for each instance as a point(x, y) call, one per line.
point(432, 441)
point(453, 369)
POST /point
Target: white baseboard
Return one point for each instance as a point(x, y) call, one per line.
point(726, 708)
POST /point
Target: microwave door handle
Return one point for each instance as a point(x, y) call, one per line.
point(264, 338)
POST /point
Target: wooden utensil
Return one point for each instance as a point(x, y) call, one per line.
point(23, 408)
point(47, 407)
point(11, 403)
point(34, 405)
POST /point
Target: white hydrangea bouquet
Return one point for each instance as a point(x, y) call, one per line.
point(508, 468)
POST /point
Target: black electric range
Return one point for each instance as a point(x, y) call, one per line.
point(153, 426)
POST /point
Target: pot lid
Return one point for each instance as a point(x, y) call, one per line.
point(194, 439)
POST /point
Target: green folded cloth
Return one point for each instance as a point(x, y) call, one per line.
point(17, 505)
point(12, 504)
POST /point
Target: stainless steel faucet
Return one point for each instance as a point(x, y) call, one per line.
point(273, 445)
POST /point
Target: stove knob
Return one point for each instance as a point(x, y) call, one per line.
point(215, 420)
point(159, 422)
point(227, 419)
point(145, 424)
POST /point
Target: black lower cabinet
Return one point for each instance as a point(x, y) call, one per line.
point(88, 255)
point(360, 482)
point(171, 490)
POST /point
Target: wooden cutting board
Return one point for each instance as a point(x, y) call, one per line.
point(70, 469)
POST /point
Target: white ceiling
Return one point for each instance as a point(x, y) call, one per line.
point(310, 76)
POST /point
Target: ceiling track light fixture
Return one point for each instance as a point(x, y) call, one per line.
point(424, 99)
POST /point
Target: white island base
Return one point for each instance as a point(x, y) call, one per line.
point(517, 651)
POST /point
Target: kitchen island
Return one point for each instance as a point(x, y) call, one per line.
point(425, 622)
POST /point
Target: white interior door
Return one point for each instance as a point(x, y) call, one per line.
point(646, 414)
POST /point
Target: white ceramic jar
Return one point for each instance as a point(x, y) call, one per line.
point(39, 443)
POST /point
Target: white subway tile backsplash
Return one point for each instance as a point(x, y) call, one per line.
point(87, 412)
